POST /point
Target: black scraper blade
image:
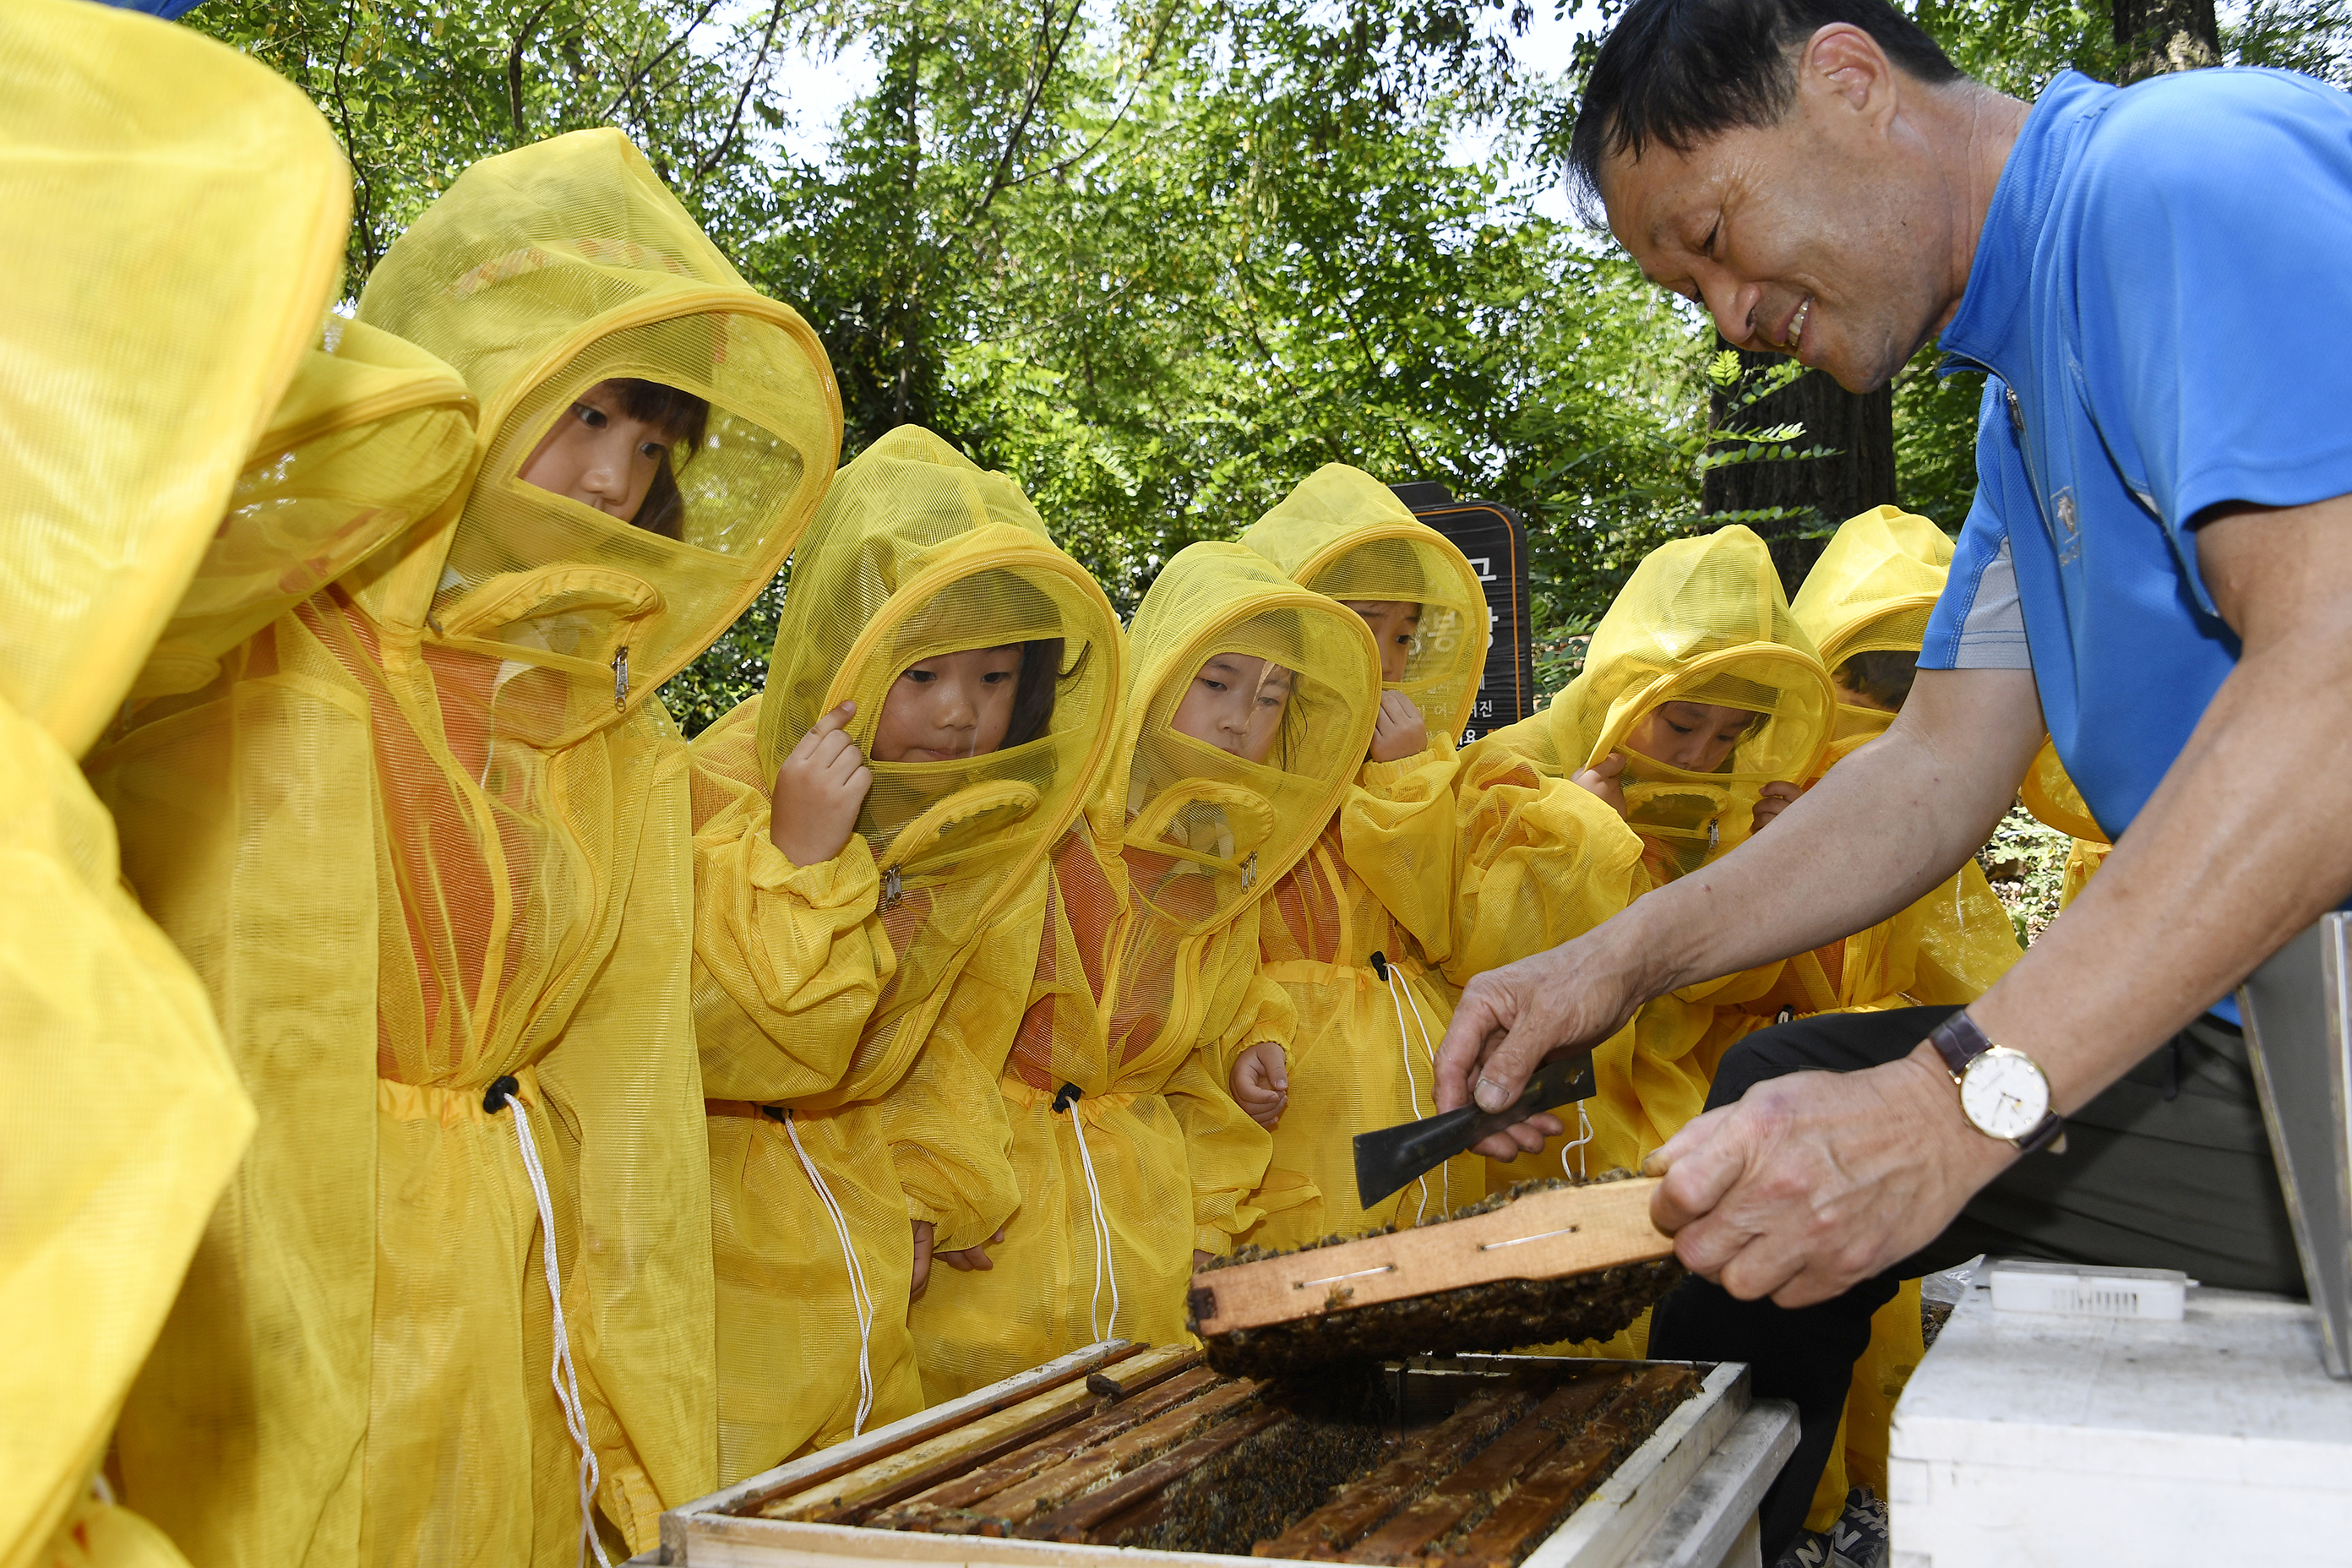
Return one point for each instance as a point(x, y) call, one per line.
point(1388, 1159)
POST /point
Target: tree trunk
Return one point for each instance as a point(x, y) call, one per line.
point(2160, 36)
point(1859, 428)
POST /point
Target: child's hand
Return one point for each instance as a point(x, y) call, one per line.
point(1261, 1082)
point(1602, 779)
point(966, 1258)
point(819, 788)
point(1772, 803)
point(1400, 731)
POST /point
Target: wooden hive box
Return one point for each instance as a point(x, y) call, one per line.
point(1661, 1463)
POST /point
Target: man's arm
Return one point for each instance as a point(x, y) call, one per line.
point(1816, 1180)
point(1887, 824)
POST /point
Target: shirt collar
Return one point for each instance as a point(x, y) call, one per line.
point(1989, 329)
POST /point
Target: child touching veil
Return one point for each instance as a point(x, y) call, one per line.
point(870, 843)
point(1248, 706)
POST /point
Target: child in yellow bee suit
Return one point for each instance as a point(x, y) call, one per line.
point(1249, 703)
point(1701, 708)
point(209, 190)
point(1865, 603)
point(1356, 932)
point(870, 886)
point(426, 835)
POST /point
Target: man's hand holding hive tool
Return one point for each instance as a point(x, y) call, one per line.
point(1817, 1180)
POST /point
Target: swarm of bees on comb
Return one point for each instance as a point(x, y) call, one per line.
point(1470, 1281)
point(1161, 1452)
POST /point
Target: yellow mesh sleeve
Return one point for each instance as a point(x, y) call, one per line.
point(946, 1122)
point(103, 1210)
point(1398, 828)
point(1254, 1008)
point(789, 960)
point(1542, 861)
point(1226, 1151)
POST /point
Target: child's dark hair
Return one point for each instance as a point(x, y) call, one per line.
point(1882, 675)
point(1033, 700)
point(682, 417)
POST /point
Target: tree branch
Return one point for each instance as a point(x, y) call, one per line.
point(515, 42)
point(629, 87)
point(1052, 49)
point(365, 188)
point(750, 78)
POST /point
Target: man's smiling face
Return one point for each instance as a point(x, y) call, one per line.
point(1827, 237)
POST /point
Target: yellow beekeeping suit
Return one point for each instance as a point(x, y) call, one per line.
point(854, 1014)
point(426, 836)
point(1871, 590)
point(176, 218)
point(1700, 620)
point(1146, 984)
point(1380, 878)
point(2055, 802)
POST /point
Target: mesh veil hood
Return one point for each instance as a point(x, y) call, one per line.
point(1874, 585)
point(1228, 828)
point(138, 373)
point(1702, 620)
point(918, 552)
point(538, 274)
point(1345, 534)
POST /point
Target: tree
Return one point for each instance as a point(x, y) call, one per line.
point(2159, 36)
point(1796, 454)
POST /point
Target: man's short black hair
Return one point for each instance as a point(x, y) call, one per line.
point(1677, 72)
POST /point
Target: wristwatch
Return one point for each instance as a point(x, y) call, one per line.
point(2002, 1091)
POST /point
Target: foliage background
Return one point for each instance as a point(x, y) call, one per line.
point(1160, 258)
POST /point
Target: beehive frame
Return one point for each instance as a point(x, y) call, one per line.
point(725, 1530)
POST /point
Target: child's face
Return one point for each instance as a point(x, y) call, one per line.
point(1696, 737)
point(599, 455)
point(953, 705)
point(1394, 623)
point(1235, 703)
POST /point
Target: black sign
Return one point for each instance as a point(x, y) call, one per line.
point(1497, 544)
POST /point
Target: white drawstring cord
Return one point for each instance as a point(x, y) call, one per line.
point(1067, 1102)
point(505, 1093)
point(1445, 1171)
point(1387, 972)
point(861, 1299)
point(1584, 1127)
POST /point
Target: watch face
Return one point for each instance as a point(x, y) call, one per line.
point(2003, 1093)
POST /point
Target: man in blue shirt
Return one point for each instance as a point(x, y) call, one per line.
point(2158, 570)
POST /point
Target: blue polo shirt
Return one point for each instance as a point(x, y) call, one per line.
point(2160, 291)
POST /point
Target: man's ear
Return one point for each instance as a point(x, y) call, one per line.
point(1842, 65)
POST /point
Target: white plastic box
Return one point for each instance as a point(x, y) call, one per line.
point(2028, 1438)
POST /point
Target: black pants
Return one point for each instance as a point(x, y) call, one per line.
point(2169, 1168)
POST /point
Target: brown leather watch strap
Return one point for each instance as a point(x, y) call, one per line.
point(1959, 1042)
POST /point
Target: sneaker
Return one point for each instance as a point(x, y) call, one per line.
point(1810, 1550)
point(1861, 1538)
